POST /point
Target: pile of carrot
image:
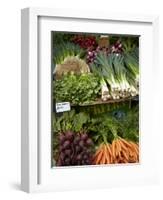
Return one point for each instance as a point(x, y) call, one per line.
point(103, 155)
point(120, 151)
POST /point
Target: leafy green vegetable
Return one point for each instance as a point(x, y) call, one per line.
point(103, 129)
point(129, 125)
point(70, 121)
point(129, 44)
point(61, 37)
point(63, 50)
point(77, 89)
point(106, 127)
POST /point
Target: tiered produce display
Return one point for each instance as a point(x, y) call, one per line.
point(98, 75)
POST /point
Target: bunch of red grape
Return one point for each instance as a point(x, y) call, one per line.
point(85, 42)
point(74, 149)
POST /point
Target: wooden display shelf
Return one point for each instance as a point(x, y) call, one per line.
point(99, 101)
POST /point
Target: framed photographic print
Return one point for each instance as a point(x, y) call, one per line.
point(87, 119)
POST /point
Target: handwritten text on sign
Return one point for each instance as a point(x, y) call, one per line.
point(62, 107)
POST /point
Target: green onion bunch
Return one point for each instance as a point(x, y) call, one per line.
point(119, 74)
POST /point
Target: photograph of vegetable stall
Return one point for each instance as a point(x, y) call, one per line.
point(95, 95)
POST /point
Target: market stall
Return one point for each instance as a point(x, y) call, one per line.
point(95, 95)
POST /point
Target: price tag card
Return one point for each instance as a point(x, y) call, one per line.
point(62, 107)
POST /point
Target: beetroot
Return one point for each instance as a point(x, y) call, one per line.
point(66, 144)
point(89, 142)
point(62, 138)
point(69, 135)
point(74, 149)
point(84, 136)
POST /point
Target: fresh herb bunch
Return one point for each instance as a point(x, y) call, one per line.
point(129, 125)
point(107, 126)
point(76, 122)
point(103, 129)
point(77, 89)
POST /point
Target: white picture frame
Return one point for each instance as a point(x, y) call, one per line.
point(36, 173)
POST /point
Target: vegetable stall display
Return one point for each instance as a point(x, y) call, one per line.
point(98, 76)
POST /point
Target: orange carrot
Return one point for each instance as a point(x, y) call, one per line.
point(107, 155)
point(122, 145)
point(99, 157)
point(109, 149)
point(135, 147)
point(103, 158)
point(118, 149)
point(125, 155)
point(113, 149)
point(126, 143)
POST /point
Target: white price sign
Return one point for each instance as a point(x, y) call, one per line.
point(62, 107)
